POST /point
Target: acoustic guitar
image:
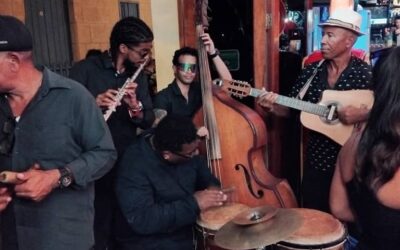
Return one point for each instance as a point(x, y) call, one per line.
point(322, 116)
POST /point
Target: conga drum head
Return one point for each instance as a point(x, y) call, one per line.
point(211, 220)
point(214, 218)
point(319, 230)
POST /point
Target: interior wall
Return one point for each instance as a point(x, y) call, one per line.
point(91, 23)
point(166, 34)
point(14, 8)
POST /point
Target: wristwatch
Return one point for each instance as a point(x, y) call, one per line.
point(65, 177)
point(215, 54)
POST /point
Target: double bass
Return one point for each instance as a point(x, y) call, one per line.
point(237, 139)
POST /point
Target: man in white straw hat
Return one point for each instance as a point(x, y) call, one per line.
point(338, 70)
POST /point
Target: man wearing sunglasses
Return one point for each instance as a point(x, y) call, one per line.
point(54, 143)
point(183, 95)
point(131, 42)
point(162, 185)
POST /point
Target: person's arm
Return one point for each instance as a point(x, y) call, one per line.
point(91, 131)
point(388, 194)
point(267, 100)
point(144, 117)
point(213, 53)
point(338, 199)
point(353, 115)
point(344, 172)
point(80, 73)
point(90, 147)
point(205, 178)
point(220, 66)
point(162, 101)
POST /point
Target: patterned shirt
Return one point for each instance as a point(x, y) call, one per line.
point(321, 151)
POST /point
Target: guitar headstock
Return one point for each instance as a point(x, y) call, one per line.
point(234, 87)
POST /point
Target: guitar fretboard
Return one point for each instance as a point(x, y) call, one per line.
point(294, 103)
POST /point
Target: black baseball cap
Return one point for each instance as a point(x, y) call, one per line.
point(14, 35)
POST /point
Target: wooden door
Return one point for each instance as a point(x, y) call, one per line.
point(49, 25)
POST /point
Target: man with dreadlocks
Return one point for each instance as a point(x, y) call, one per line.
point(131, 42)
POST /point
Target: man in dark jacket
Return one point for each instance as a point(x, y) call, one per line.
point(162, 185)
point(131, 42)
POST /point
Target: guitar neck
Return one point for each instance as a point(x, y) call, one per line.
point(294, 103)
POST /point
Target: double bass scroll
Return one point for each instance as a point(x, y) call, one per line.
point(237, 139)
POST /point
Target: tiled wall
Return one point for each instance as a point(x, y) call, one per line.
point(92, 20)
point(13, 8)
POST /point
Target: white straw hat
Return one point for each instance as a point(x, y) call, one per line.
point(346, 19)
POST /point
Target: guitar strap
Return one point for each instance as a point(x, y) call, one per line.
point(300, 96)
point(304, 89)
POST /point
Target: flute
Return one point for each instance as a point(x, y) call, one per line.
point(121, 91)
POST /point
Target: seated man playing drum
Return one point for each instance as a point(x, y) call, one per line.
point(162, 186)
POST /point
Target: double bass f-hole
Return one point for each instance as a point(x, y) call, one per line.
point(247, 177)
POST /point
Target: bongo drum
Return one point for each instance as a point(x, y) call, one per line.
point(212, 220)
point(319, 230)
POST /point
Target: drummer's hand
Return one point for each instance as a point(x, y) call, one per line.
point(202, 132)
point(209, 198)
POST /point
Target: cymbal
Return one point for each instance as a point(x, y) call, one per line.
point(275, 229)
point(255, 215)
point(214, 218)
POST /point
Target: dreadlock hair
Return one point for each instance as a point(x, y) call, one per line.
point(183, 51)
point(129, 30)
point(172, 132)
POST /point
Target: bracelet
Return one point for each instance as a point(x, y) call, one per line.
point(215, 54)
point(133, 112)
point(139, 107)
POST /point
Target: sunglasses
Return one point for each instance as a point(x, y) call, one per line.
point(185, 67)
point(7, 142)
point(188, 156)
point(141, 53)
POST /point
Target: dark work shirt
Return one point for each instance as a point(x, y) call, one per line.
point(157, 200)
point(98, 75)
point(61, 126)
point(172, 100)
point(321, 151)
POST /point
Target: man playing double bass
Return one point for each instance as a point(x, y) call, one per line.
point(183, 95)
point(339, 71)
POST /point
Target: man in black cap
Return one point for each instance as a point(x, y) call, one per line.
point(338, 71)
point(54, 140)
